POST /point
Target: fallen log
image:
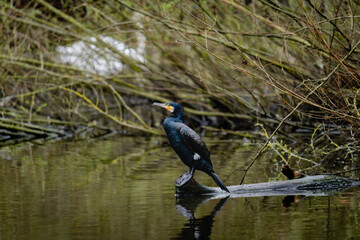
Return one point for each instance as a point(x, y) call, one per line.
point(309, 185)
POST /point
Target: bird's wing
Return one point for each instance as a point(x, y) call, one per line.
point(194, 142)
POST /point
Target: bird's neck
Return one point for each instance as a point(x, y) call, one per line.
point(173, 118)
point(179, 117)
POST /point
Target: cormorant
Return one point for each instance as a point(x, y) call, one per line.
point(188, 145)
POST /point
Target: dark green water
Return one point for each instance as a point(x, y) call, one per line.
point(123, 189)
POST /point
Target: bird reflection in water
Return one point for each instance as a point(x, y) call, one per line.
point(290, 199)
point(197, 228)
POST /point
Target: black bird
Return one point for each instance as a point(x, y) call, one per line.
point(188, 145)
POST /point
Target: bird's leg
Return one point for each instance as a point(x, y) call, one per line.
point(191, 171)
point(186, 177)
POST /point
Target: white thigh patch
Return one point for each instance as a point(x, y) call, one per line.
point(196, 157)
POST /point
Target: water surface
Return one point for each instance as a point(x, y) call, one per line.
point(122, 188)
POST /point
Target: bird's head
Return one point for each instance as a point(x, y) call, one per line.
point(175, 108)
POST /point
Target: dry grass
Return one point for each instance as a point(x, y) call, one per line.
point(287, 64)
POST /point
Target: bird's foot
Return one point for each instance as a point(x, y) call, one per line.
point(183, 179)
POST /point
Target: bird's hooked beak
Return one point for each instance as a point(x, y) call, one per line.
point(164, 105)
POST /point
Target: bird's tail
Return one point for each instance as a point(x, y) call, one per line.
point(218, 181)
